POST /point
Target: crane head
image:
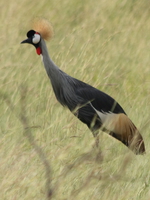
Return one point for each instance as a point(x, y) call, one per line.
point(43, 29)
point(33, 38)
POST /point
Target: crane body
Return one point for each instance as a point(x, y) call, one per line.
point(93, 107)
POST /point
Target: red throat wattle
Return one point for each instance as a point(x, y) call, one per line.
point(38, 50)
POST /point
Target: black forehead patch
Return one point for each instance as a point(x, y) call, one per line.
point(30, 33)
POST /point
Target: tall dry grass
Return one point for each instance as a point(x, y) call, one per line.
point(46, 153)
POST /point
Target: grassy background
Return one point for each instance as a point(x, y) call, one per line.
point(103, 43)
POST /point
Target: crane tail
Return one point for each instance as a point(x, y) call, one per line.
point(124, 130)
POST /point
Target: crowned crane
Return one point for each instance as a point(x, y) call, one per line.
point(93, 107)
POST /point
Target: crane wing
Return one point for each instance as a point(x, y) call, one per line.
point(100, 100)
point(111, 118)
point(90, 100)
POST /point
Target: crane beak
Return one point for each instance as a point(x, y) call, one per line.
point(28, 40)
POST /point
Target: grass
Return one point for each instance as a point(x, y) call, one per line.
point(43, 146)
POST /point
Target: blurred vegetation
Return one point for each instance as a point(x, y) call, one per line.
point(46, 153)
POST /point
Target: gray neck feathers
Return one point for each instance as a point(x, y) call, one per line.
point(63, 85)
point(52, 70)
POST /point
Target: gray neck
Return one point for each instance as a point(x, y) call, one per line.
point(60, 81)
point(52, 70)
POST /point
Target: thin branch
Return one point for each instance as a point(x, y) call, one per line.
point(22, 117)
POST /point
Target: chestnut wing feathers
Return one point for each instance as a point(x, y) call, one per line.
point(105, 112)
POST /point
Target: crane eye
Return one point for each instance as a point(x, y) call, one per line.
point(36, 38)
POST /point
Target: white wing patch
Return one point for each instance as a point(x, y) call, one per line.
point(108, 119)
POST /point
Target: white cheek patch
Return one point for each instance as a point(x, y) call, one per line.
point(36, 38)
